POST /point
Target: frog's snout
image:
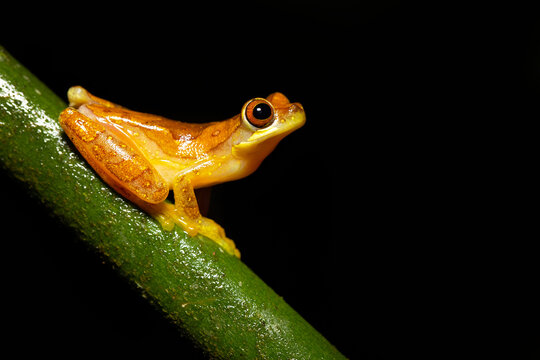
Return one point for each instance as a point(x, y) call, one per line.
point(296, 107)
point(279, 100)
point(293, 117)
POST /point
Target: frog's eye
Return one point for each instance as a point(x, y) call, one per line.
point(259, 112)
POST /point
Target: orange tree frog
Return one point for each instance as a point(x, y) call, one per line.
point(144, 156)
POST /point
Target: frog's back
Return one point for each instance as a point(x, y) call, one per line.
point(176, 139)
point(155, 135)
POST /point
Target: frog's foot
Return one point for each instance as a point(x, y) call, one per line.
point(168, 216)
point(212, 230)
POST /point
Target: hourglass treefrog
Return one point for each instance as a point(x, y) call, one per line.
point(144, 156)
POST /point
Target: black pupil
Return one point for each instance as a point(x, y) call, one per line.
point(262, 111)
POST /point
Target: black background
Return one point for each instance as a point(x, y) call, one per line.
point(360, 219)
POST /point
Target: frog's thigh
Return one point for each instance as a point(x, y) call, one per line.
point(120, 165)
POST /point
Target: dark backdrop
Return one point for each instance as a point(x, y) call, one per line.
point(351, 219)
point(319, 221)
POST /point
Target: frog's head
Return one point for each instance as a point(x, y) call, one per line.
point(268, 121)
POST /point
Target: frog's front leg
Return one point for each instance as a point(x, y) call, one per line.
point(185, 212)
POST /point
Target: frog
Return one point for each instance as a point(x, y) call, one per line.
point(160, 164)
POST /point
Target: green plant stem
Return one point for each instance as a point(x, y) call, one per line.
point(218, 301)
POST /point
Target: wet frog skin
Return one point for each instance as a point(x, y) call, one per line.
point(144, 156)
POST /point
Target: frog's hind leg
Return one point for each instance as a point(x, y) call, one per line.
point(185, 212)
point(119, 164)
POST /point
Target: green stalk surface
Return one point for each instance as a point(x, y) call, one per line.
point(212, 296)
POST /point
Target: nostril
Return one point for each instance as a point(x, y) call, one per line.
point(296, 107)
